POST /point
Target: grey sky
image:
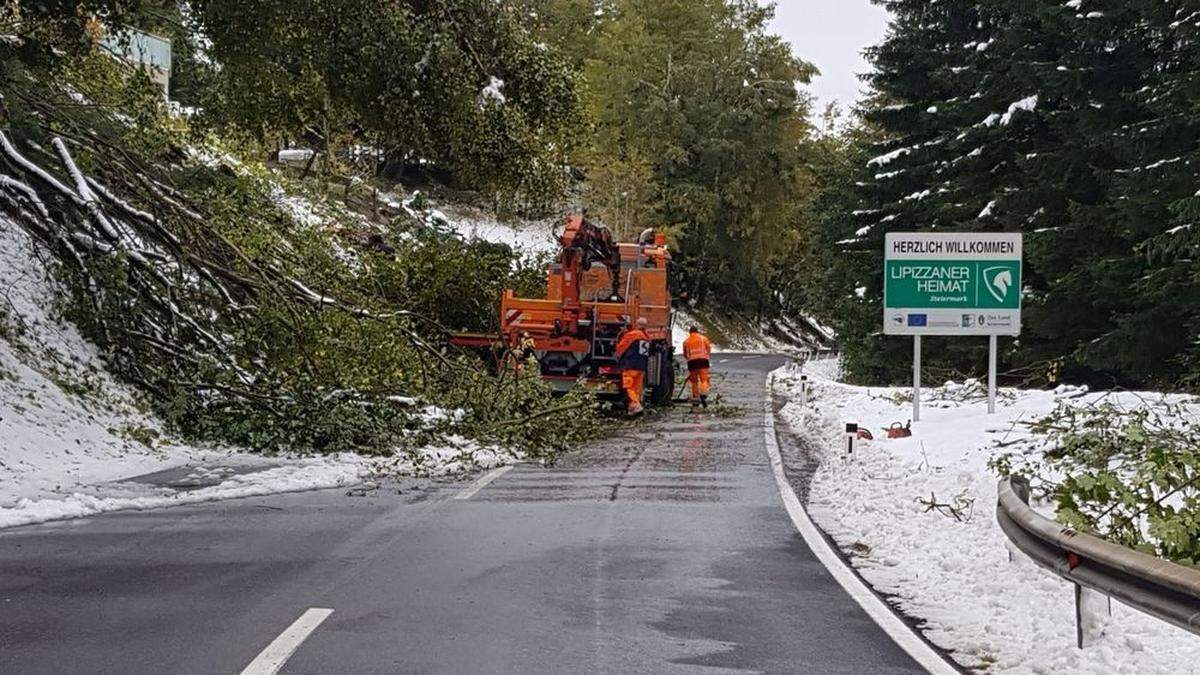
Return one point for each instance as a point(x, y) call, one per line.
point(832, 34)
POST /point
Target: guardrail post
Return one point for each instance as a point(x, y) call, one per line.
point(1088, 624)
point(1079, 616)
point(1020, 486)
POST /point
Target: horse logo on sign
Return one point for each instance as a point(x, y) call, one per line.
point(999, 281)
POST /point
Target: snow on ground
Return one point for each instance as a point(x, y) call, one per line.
point(86, 499)
point(781, 336)
point(63, 420)
point(956, 577)
point(528, 237)
point(71, 436)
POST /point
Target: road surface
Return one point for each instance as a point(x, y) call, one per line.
point(664, 549)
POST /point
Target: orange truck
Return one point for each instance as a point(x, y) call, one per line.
point(596, 288)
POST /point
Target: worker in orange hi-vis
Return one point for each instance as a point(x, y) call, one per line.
point(633, 357)
point(696, 351)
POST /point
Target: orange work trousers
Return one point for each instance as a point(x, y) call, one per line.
point(633, 382)
point(699, 380)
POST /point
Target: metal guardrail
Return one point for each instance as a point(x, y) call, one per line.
point(1152, 585)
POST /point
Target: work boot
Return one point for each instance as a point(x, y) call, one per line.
point(704, 401)
point(635, 410)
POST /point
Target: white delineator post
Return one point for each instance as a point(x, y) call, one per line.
point(992, 374)
point(916, 392)
point(803, 390)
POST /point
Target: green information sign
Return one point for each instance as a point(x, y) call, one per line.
point(952, 283)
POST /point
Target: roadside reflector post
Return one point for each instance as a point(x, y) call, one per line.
point(916, 392)
point(992, 374)
point(803, 390)
point(851, 434)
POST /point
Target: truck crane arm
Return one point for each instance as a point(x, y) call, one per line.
point(584, 243)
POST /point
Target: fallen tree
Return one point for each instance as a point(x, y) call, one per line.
point(242, 321)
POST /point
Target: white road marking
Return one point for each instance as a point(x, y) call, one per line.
point(482, 482)
point(271, 659)
point(722, 361)
point(879, 611)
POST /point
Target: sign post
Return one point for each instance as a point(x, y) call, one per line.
point(958, 283)
point(916, 392)
point(991, 374)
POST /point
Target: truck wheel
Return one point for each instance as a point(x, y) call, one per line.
point(665, 390)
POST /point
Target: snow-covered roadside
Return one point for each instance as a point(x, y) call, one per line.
point(783, 336)
point(291, 476)
point(953, 574)
point(71, 436)
point(526, 237)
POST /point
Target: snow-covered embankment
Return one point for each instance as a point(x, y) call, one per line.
point(917, 515)
point(71, 436)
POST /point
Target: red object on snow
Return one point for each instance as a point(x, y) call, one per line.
point(897, 431)
point(865, 435)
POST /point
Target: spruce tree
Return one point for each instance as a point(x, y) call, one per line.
point(1158, 189)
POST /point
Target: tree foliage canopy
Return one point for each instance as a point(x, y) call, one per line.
point(699, 127)
point(460, 84)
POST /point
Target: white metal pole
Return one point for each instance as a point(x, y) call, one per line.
point(916, 378)
point(992, 374)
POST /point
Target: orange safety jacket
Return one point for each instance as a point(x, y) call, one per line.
point(696, 351)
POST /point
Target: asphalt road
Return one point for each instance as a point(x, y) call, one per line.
point(664, 549)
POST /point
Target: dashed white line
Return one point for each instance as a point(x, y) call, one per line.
point(879, 612)
point(482, 482)
point(271, 659)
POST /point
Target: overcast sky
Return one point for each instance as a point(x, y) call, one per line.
point(832, 34)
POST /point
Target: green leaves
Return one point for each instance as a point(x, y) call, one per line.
point(413, 79)
point(698, 130)
point(251, 311)
point(1131, 475)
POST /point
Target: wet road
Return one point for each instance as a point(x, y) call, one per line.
point(663, 549)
